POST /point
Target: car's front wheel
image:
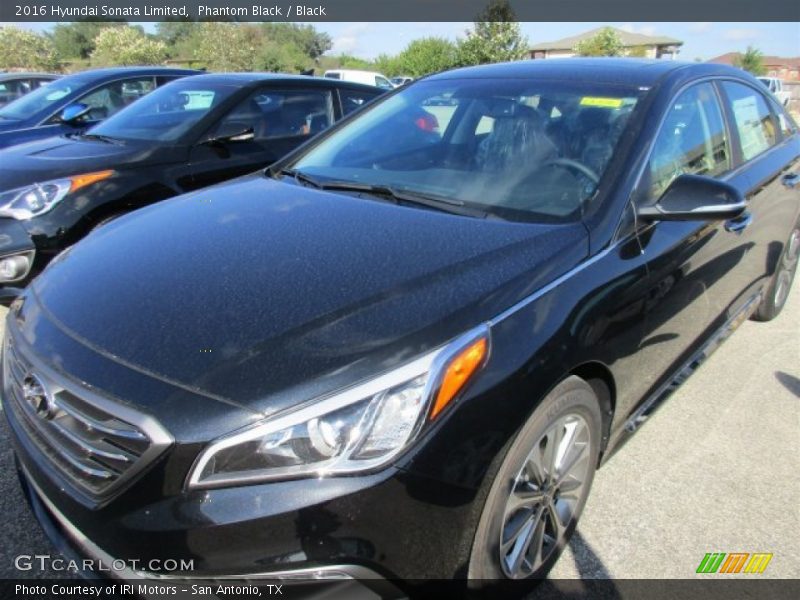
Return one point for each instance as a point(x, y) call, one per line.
point(540, 489)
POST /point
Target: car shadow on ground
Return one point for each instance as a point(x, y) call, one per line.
point(790, 382)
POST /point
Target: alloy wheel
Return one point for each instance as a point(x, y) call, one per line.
point(545, 496)
point(786, 269)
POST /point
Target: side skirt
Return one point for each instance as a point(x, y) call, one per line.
point(649, 406)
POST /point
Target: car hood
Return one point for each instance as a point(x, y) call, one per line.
point(267, 293)
point(13, 125)
point(56, 157)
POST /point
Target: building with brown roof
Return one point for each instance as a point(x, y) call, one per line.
point(787, 69)
point(650, 46)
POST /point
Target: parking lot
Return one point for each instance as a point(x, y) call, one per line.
point(716, 470)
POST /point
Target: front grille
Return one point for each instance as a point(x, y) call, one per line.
point(95, 443)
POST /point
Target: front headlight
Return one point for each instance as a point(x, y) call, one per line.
point(37, 199)
point(359, 429)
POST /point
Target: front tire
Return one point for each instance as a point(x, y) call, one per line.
point(540, 489)
point(778, 289)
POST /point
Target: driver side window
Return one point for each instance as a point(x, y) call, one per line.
point(692, 140)
point(114, 96)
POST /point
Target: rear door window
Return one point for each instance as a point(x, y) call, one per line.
point(752, 119)
point(354, 99)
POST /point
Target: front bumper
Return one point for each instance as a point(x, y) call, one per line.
point(390, 525)
point(74, 545)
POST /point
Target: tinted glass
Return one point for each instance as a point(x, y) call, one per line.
point(352, 99)
point(167, 113)
point(785, 123)
point(692, 140)
point(43, 98)
point(113, 97)
point(277, 114)
point(521, 150)
point(751, 114)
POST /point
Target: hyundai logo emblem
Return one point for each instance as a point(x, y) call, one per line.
point(35, 394)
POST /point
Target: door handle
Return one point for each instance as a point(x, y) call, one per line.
point(792, 180)
point(740, 223)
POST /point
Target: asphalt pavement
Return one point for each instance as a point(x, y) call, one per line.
point(715, 470)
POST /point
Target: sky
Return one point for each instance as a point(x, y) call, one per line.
point(701, 40)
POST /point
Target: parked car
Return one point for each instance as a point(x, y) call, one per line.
point(777, 87)
point(401, 80)
point(356, 76)
point(16, 85)
point(404, 360)
point(188, 134)
point(78, 101)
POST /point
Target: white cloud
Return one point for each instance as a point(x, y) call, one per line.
point(645, 30)
point(347, 42)
point(740, 34)
point(701, 27)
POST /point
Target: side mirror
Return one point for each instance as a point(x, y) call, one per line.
point(696, 198)
point(231, 133)
point(74, 112)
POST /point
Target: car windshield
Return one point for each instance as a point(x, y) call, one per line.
point(166, 113)
point(40, 99)
point(515, 149)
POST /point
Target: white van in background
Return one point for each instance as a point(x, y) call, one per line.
point(368, 77)
point(776, 86)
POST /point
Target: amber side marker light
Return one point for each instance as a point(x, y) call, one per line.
point(80, 181)
point(461, 368)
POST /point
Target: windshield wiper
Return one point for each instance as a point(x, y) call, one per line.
point(441, 203)
point(300, 177)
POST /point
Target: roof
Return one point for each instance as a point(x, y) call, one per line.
point(628, 39)
point(729, 57)
point(110, 72)
point(242, 79)
point(622, 71)
point(25, 74)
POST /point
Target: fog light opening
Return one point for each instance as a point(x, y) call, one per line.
point(14, 268)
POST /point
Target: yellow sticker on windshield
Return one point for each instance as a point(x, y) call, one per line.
point(603, 102)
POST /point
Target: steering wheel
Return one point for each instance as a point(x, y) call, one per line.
point(568, 163)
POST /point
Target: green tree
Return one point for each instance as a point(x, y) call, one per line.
point(23, 49)
point(752, 61)
point(637, 52)
point(605, 42)
point(228, 46)
point(306, 38)
point(424, 56)
point(76, 40)
point(388, 65)
point(495, 37)
point(279, 58)
point(127, 46)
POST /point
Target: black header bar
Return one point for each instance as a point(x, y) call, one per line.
point(396, 10)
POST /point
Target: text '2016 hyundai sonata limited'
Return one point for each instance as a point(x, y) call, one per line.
point(404, 350)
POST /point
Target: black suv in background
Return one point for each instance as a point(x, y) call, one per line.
point(404, 351)
point(186, 135)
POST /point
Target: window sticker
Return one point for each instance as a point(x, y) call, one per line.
point(751, 132)
point(601, 102)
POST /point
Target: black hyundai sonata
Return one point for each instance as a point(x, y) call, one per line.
point(404, 352)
